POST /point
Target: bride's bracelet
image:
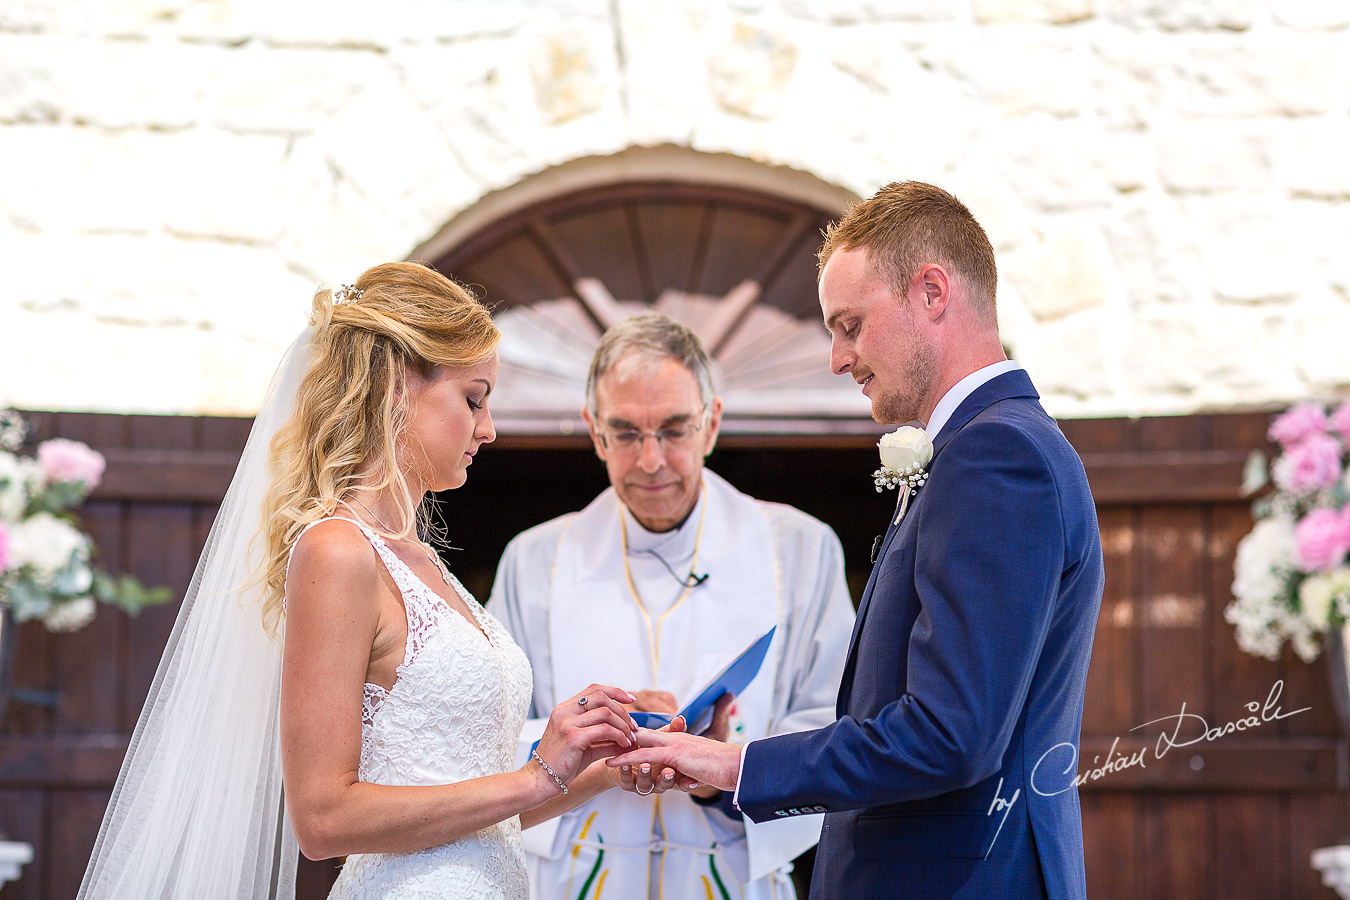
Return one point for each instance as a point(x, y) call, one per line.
point(554, 775)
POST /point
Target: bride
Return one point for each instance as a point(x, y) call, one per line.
point(335, 654)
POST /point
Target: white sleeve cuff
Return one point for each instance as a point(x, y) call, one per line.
point(740, 773)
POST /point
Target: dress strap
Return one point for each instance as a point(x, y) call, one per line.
point(290, 554)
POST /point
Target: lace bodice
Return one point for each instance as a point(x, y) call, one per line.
point(455, 712)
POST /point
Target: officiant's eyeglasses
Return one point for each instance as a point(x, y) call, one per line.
point(674, 435)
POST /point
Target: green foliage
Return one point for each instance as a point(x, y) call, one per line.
point(127, 593)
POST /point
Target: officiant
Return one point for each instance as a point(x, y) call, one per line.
point(682, 572)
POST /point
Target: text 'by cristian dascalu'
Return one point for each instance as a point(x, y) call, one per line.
point(1185, 729)
point(1188, 729)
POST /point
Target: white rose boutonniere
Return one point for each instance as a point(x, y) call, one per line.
point(905, 454)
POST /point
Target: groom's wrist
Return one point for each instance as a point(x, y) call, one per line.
point(740, 778)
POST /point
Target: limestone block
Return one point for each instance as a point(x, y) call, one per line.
point(1276, 73)
point(224, 186)
point(98, 82)
point(1068, 271)
point(155, 281)
point(1153, 244)
point(77, 363)
point(600, 133)
point(74, 178)
point(1313, 158)
point(50, 16)
point(1310, 13)
point(256, 88)
point(1012, 78)
point(232, 373)
point(1179, 15)
point(1321, 232)
point(993, 202)
point(1252, 251)
point(436, 74)
point(123, 330)
point(1323, 326)
point(1190, 358)
point(1162, 356)
point(829, 111)
point(1067, 360)
point(843, 12)
point(568, 74)
point(751, 70)
point(313, 23)
point(30, 86)
point(665, 49)
point(1056, 165)
point(384, 143)
point(481, 99)
point(1032, 12)
point(1212, 157)
point(333, 232)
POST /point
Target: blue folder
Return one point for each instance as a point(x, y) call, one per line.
point(735, 678)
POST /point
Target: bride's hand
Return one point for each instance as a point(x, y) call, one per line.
point(586, 727)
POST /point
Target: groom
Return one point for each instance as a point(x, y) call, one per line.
point(970, 654)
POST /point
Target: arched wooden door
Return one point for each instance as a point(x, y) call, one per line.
point(735, 264)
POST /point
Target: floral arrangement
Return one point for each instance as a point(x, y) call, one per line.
point(1291, 578)
point(45, 568)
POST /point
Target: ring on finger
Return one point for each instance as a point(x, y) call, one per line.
point(583, 701)
point(647, 791)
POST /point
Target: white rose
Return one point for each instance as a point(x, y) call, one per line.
point(16, 474)
point(1315, 597)
point(46, 544)
point(1264, 557)
point(72, 615)
point(905, 448)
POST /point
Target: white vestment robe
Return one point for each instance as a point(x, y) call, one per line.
point(584, 611)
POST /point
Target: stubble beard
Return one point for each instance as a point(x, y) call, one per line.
point(905, 402)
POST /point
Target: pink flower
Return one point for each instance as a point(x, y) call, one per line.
point(1298, 424)
point(1323, 539)
point(72, 461)
point(4, 548)
point(1311, 466)
point(1340, 421)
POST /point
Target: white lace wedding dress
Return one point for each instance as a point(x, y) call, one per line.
point(455, 712)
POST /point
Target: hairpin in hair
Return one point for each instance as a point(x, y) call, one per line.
point(346, 294)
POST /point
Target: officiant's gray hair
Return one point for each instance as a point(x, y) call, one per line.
point(640, 344)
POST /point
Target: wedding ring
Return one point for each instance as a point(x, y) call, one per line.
point(582, 701)
point(646, 792)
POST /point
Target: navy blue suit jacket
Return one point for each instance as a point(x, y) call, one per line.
point(949, 772)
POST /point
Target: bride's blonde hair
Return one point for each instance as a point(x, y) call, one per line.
point(343, 439)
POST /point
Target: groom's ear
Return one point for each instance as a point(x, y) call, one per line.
point(934, 288)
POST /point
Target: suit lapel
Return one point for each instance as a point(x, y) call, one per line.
point(1003, 387)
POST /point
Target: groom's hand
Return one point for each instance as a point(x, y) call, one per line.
point(719, 730)
point(646, 779)
point(700, 759)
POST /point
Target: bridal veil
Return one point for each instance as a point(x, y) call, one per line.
point(198, 809)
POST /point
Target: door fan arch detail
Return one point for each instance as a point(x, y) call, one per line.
point(736, 266)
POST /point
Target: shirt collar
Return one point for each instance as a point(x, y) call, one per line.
point(677, 543)
point(961, 390)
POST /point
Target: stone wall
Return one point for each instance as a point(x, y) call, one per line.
point(1167, 182)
